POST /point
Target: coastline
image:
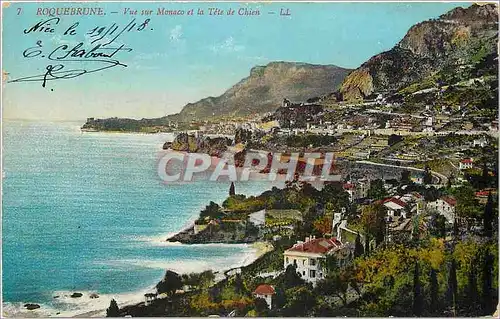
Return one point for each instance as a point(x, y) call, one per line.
point(259, 249)
point(97, 307)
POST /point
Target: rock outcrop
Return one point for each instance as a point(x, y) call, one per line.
point(457, 39)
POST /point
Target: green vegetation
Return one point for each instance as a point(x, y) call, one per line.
point(113, 310)
point(169, 284)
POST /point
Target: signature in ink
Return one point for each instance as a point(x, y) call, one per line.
point(63, 54)
point(101, 53)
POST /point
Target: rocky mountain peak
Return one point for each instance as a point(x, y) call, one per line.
point(453, 39)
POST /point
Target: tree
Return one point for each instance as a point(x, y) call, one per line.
point(427, 175)
point(212, 210)
point(431, 194)
point(438, 226)
point(330, 264)
point(358, 247)
point(279, 300)
point(488, 217)
point(261, 307)
point(290, 278)
point(242, 135)
point(373, 221)
point(337, 283)
point(471, 292)
point(451, 178)
point(456, 229)
point(206, 278)
point(215, 295)
point(467, 205)
point(367, 244)
point(335, 196)
point(238, 284)
point(487, 297)
point(452, 286)
point(113, 310)
point(377, 190)
point(393, 139)
point(323, 224)
point(169, 284)
point(434, 289)
point(405, 177)
point(232, 190)
point(199, 280)
point(299, 302)
point(418, 301)
point(485, 176)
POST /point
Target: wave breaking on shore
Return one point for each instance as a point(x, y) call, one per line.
point(63, 305)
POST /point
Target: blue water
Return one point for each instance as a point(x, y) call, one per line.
point(87, 212)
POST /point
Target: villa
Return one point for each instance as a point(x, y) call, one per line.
point(395, 207)
point(306, 256)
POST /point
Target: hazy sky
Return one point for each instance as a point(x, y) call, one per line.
point(175, 60)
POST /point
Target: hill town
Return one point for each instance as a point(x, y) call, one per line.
point(411, 227)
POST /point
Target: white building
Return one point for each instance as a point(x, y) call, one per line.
point(444, 206)
point(258, 218)
point(362, 187)
point(265, 292)
point(481, 142)
point(306, 256)
point(396, 207)
point(466, 163)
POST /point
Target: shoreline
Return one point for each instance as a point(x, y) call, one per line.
point(97, 307)
point(260, 248)
point(125, 132)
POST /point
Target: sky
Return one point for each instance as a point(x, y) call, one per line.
point(175, 60)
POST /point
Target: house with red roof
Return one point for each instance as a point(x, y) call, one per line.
point(466, 163)
point(265, 292)
point(444, 206)
point(395, 207)
point(306, 256)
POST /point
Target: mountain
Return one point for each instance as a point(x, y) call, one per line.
point(459, 39)
point(265, 88)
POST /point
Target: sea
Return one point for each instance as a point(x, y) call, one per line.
point(86, 212)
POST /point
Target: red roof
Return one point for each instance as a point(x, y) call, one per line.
point(349, 186)
point(449, 200)
point(317, 246)
point(395, 201)
point(482, 193)
point(264, 289)
point(466, 161)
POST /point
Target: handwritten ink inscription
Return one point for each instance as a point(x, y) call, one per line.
point(101, 51)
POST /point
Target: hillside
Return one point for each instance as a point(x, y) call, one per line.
point(458, 40)
point(264, 89)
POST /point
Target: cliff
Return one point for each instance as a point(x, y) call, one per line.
point(459, 38)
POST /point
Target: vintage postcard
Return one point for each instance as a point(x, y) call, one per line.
point(249, 159)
